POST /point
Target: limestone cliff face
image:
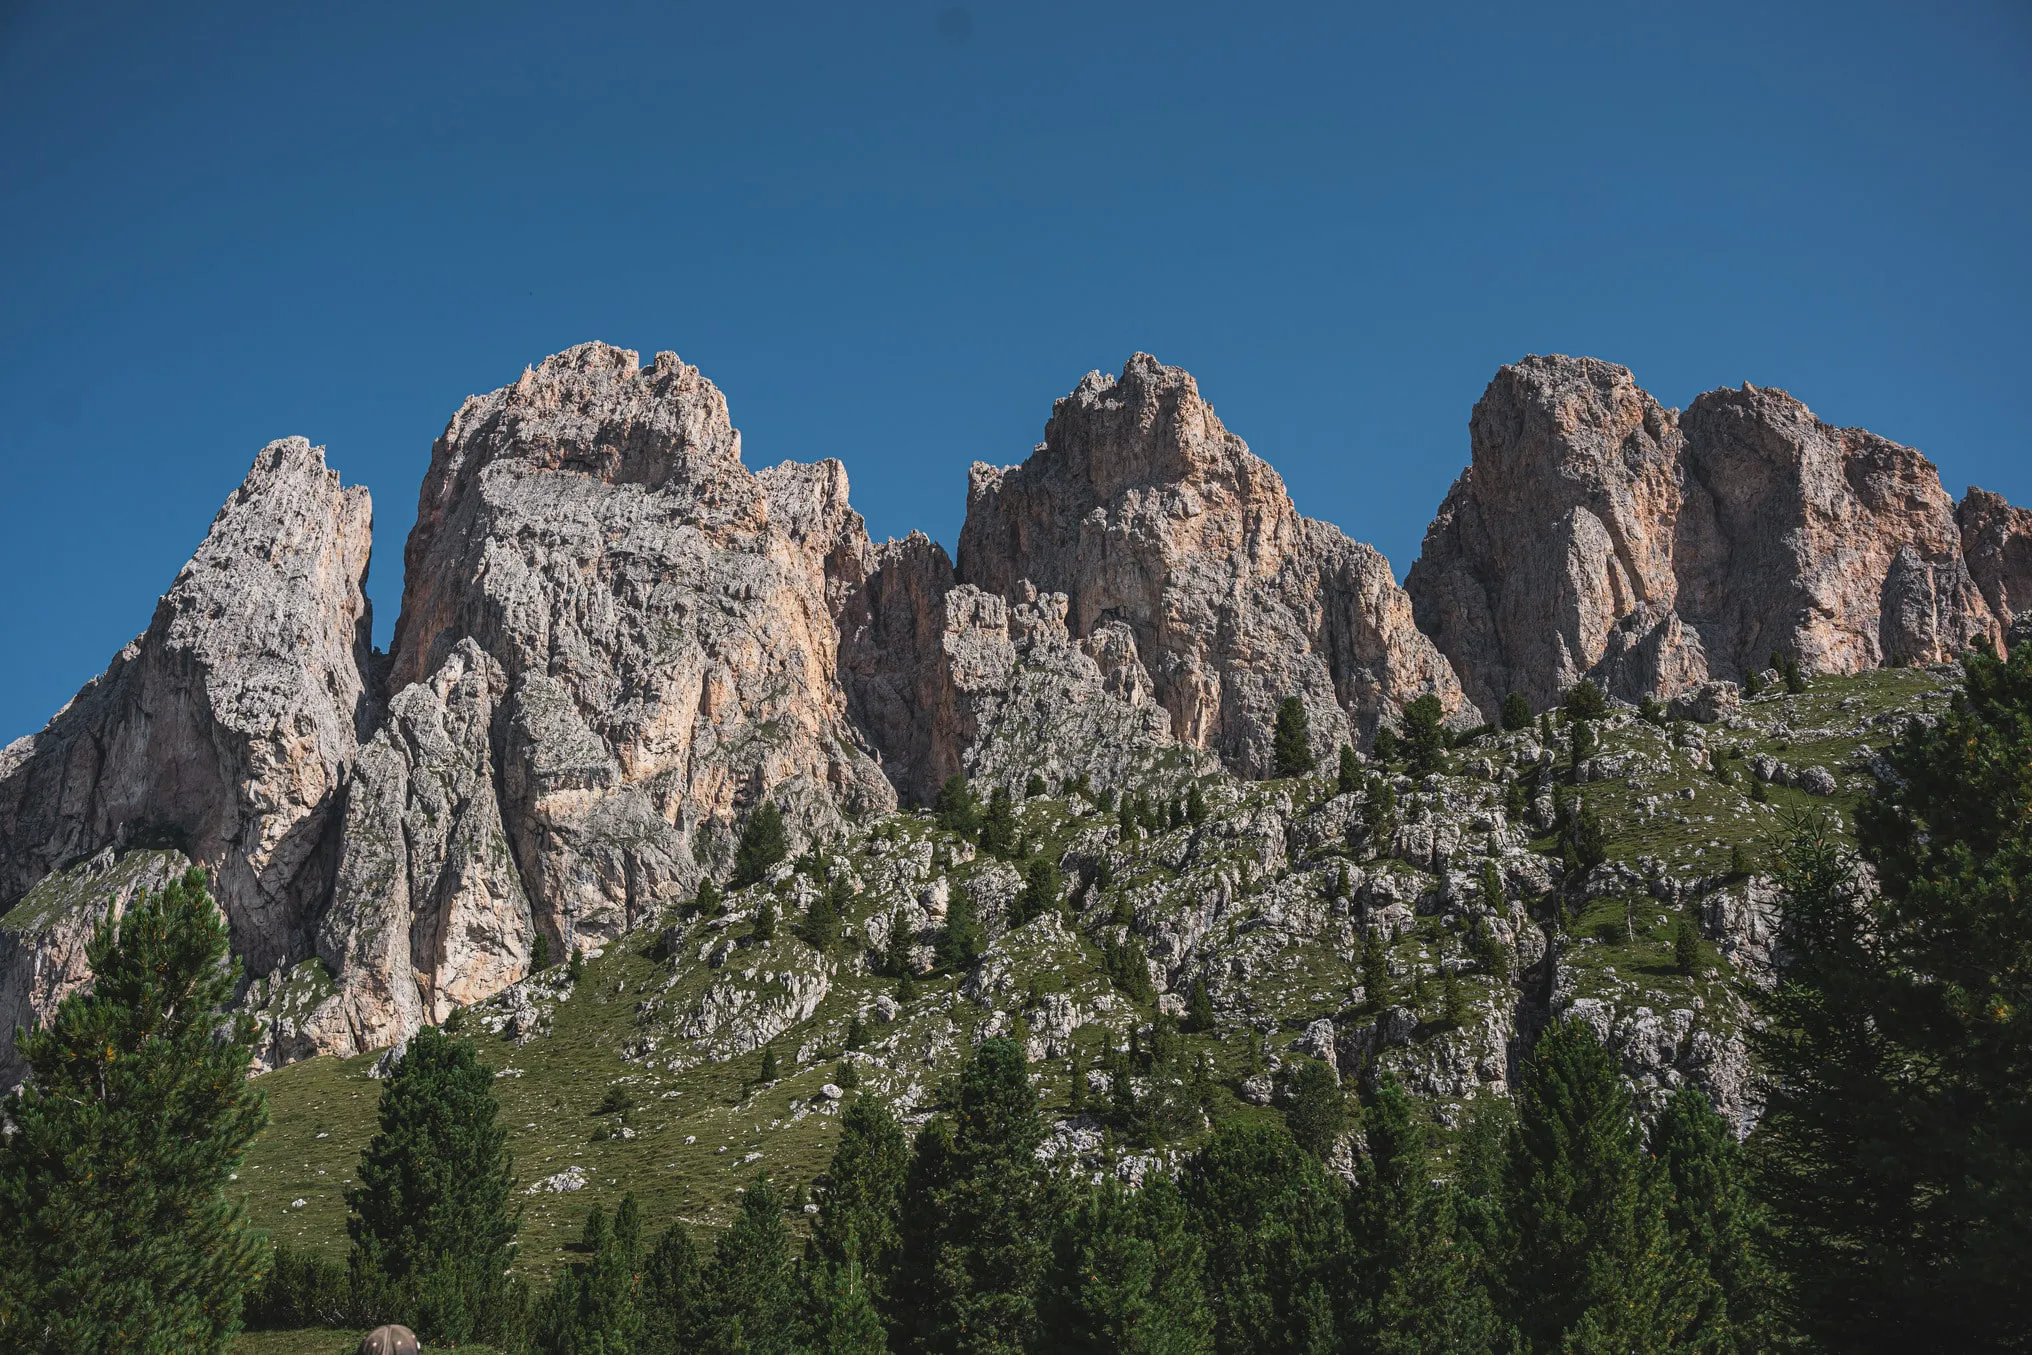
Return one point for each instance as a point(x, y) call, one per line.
point(1597, 534)
point(226, 728)
point(662, 619)
point(1996, 540)
point(1145, 511)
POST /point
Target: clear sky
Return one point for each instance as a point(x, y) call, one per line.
point(894, 232)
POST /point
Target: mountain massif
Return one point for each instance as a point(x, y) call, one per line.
point(617, 641)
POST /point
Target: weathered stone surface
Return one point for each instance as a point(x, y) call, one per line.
point(1996, 540)
point(662, 618)
point(1144, 510)
point(227, 726)
point(428, 911)
point(1597, 534)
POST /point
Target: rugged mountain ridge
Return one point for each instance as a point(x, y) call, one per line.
point(616, 640)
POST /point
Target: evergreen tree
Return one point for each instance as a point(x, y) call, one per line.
point(1195, 805)
point(673, 1297)
point(1376, 990)
point(1418, 1278)
point(116, 1233)
point(859, 1203)
point(955, 806)
point(1897, 1149)
point(1318, 1113)
point(1516, 713)
point(1270, 1223)
point(593, 1307)
point(998, 824)
point(962, 943)
point(764, 926)
point(1385, 747)
point(1588, 1259)
point(1584, 701)
point(430, 1219)
point(1425, 734)
point(763, 846)
point(1034, 787)
point(896, 957)
point(1291, 740)
point(767, 1073)
point(1686, 947)
point(1711, 1212)
point(1348, 776)
point(539, 954)
point(1199, 1008)
point(1124, 1276)
point(822, 918)
point(751, 1295)
point(977, 1216)
point(1454, 1008)
point(843, 1316)
point(708, 900)
point(1042, 885)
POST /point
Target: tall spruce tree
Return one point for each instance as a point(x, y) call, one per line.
point(675, 1313)
point(1291, 739)
point(1271, 1225)
point(1125, 1276)
point(431, 1222)
point(1419, 1281)
point(593, 1307)
point(1425, 734)
point(1348, 772)
point(1588, 1262)
point(763, 846)
point(1516, 713)
point(116, 1233)
point(1897, 1145)
point(751, 1305)
point(957, 809)
point(977, 1216)
point(860, 1200)
point(998, 823)
point(1710, 1209)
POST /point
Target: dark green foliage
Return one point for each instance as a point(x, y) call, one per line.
point(764, 926)
point(842, 1316)
point(956, 808)
point(962, 943)
point(1199, 1008)
point(1739, 862)
point(1195, 805)
point(1516, 713)
point(1105, 801)
point(672, 1296)
point(764, 844)
point(1710, 1211)
point(1042, 885)
point(539, 954)
point(1651, 712)
point(1348, 776)
point(767, 1072)
point(576, 965)
point(751, 1291)
point(1454, 1009)
point(1128, 967)
point(1588, 1260)
point(1686, 947)
point(1583, 839)
point(1425, 734)
point(1753, 684)
point(998, 824)
point(116, 1233)
point(1124, 1276)
point(1897, 1150)
point(1291, 739)
point(1583, 748)
point(896, 958)
point(1167, 1105)
point(1418, 1278)
point(1386, 745)
point(1516, 800)
point(1129, 819)
point(593, 1307)
point(1584, 701)
point(1034, 787)
point(1318, 1112)
point(978, 1214)
point(821, 928)
point(708, 901)
point(906, 987)
point(303, 1289)
point(1795, 681)
point(618, 1098)
point(1270, 1222)
point(847, 1075)
point(1490, 954)
point(857, 1032)
point(1758, 795)
point(855, 1241)
point(431, 1219)
point(1379, 810)
point(1376, 988)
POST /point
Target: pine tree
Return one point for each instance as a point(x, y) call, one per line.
point(860, 1202)
point(1454, 1008)
point(1425, 734)
point(764, 926)
point(1419, 1281)
point(955, 806)
point(1348, 776)
point(842, 1316)
point(708, 900)
point(763, 846)
point(1195, 805)
point(1584, 701)
point(1897, 1150)
point(1385, 746)
point(896, 956)
point(1379, 811)
point(430, 1219)
point(1034, 787)
point(1711, 1212)
point(1042, 885)
point(1376, 991)
point(1124, 1276)
point(116, 1233)
point(539, 954)
point(998, 824)
point(1270, 1223)
point(673, 1297)
point(1516, 713)
point(962, 943)
point(767, 1072)
point(752, 1301)
point(593, 1307)
point(1199, 1008)
point(1686, 947)
point(977, 1215)
point(822, 920)
point(1588, 1257)
point(1318, 1113)
point(1291, 740)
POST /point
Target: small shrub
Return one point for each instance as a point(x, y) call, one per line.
point(618, 1100)
point(1034, 787)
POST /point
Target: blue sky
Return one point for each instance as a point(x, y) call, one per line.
point(893, 233)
